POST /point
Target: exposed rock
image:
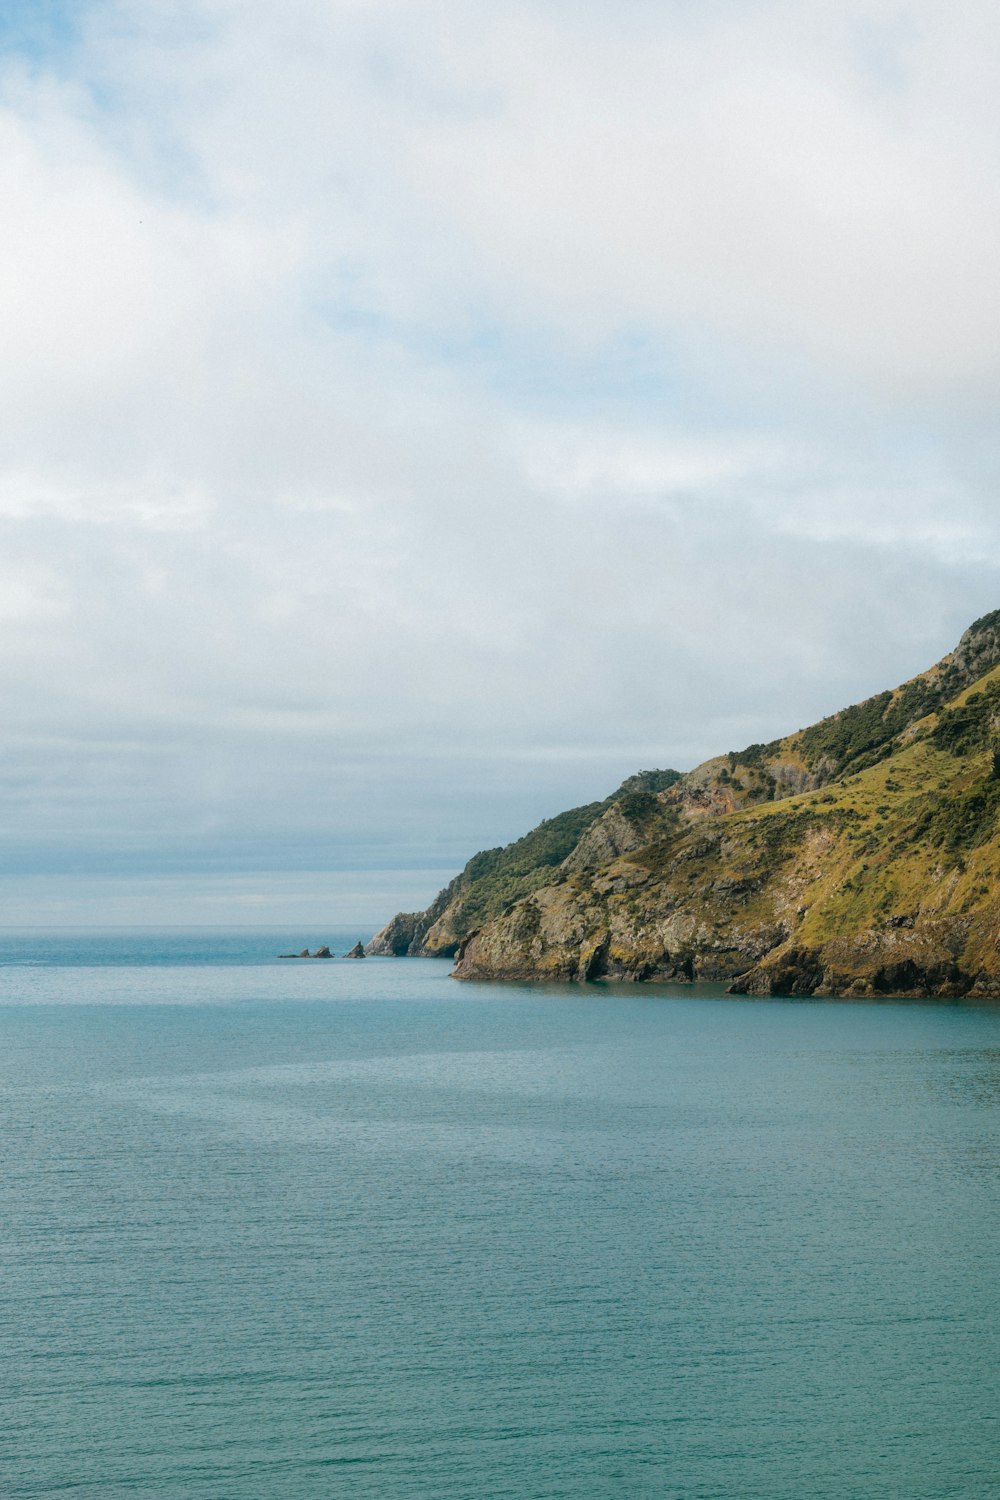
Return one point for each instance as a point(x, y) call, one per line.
point(798, 971)
point(976, 653)
point(631, 823)
point(858, 857)
point(358, 951)
point(400, 936)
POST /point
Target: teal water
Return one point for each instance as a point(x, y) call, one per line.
point(352, 1229)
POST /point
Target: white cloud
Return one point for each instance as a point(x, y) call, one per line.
point(416, 419)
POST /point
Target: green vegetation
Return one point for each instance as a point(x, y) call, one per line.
point(969, 726)
point(852, 740)
point(780, 836)
point(863, 735)
point(985, 623)
point(859, 856)
point(647, 781)
point(495, 878)
point(964, 820)
point(643, 809)
point(754, 755)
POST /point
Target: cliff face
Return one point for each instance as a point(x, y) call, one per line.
point(860, 856)
point(495, 878)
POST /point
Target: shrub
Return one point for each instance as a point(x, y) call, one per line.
point(967, 728)
point(861, 736)
point(962, 821)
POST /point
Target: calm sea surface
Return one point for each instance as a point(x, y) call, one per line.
point(352, 1229)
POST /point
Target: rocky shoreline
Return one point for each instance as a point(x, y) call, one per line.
point(859, 858)
point(358, 951)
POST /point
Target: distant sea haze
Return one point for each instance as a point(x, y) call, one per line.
point(353, 1229)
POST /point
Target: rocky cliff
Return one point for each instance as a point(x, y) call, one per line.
point(860, 856)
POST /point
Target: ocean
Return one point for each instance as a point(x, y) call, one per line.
point(291, 1231)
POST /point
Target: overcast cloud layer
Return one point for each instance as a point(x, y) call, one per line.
point(418, 417)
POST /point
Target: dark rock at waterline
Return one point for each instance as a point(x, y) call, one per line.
point(358, 951)
point(323, 952)
point(855, 858)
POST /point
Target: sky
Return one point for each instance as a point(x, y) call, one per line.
point(417, 418)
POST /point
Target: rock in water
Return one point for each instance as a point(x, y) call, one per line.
point(323, 952)
point(856, 857)
point(358, 951)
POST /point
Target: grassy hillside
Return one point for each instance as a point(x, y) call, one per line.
point(859, 856)
point(494, 879)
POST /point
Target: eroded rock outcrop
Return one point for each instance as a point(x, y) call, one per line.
point(860, 856)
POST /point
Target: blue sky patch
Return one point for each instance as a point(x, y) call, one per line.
point(43, 30)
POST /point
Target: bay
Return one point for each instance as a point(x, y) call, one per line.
point(352, 1229)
